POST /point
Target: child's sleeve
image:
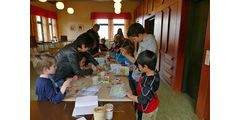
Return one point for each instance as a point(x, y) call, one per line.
point(91, 58)
point(52, 95)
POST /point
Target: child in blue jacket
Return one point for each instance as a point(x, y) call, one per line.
point(45, 65)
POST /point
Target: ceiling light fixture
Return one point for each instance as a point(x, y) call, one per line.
point(60, 5)
point(70, 10)
point(117, 0)
point(117, 5)
point(118, 11)
point(42, 0)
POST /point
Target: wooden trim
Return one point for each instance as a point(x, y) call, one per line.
point(168, 57)
point(169, 76)
point(203, 101)
point(183, 11)
point(168, 66)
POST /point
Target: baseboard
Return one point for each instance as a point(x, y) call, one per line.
point(165, 81)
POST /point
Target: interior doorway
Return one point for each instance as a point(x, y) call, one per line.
point(149, 25)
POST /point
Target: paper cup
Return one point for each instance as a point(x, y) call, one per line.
point(102, 74)
point(95, 80)
point(109, 111)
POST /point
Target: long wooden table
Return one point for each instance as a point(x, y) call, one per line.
point(45, 110)
point(103, 93)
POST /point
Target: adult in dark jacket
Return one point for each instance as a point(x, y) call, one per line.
point(93, 32)
point(68, 58)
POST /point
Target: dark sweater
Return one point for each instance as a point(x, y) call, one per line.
point(46, 92)
point(94, 35)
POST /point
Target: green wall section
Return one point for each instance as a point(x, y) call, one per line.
point(197, 25)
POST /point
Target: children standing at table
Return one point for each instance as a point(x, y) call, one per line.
point(146, 99)
point(45, 65)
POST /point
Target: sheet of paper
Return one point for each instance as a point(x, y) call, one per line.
point(94, 88)
point(114, 67)
point(85, 105)
point(86, 101)
point(118, 91)
point(86, 110)
point(90, 93)
point(82, 118)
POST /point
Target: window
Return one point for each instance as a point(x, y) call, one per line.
point(118, 23)
point(107, 27)
point(39, 28)
point(50, 28)
point(103, 31)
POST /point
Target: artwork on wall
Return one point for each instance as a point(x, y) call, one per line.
point(72, 27)
point(80, 27)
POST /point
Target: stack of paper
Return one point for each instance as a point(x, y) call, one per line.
point(85, 105)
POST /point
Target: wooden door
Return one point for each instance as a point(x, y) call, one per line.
point(173, 38)
point(171, 18)
point(150, 6)
point(158, 35)
point(203, 101)
point(157, 4)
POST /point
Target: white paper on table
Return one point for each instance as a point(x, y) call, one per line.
point(82, 118)
point(85, 105)
point(94, 88)
point(89, 93)
point(114, 67)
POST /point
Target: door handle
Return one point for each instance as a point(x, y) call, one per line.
point(207, 58)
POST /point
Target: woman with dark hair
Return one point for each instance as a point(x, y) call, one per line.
point(119, 32)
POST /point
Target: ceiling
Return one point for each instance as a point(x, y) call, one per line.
point(54, 1)
point(87, 0)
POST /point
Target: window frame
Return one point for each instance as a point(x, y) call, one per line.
point(50, 23)
point(104, 24)
point(41, 24)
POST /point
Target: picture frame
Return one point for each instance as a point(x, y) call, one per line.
point(80, 27)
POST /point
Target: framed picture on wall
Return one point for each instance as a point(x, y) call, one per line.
point(72, 27)
point(80, 27)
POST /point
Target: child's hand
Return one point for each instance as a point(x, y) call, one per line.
point(75, 77)
point(129, 93)
point(123, 51)
point(130, 68)
point(99, 67)
point(94, 69)
point(67, 83)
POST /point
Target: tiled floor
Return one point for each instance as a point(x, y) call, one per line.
point(172, 105)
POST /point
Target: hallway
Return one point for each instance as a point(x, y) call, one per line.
point(172, 105)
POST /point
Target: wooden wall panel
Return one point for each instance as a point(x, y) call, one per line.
point(165, 32)
point(170, 33)
point(172, 29)
point(150, 6)
point(156, 4)
point(145, 7)
point(158, 34)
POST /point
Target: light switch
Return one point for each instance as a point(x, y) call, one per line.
point(207, 58)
